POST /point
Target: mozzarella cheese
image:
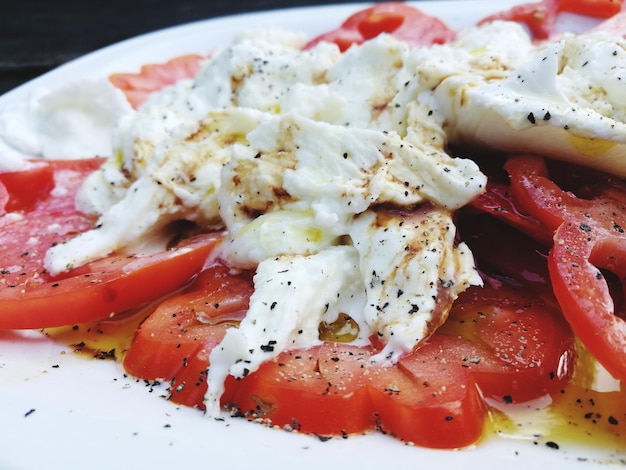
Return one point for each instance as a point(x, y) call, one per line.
point(565, 101)
point(75, 121)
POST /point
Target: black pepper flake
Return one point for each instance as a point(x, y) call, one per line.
point(29, 412)
point(531, 118)
point(552, 445)
point(612, 420)
point(508, 399)
point(449, 418)
point(273, 305)
point(446, 284)
point(269, 347)
point(547, 116)
point(585, 227)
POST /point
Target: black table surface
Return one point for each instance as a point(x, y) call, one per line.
point(38, 35)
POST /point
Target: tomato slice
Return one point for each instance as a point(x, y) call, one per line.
point(317, 391)
point(531, 345)
point(595, 8)
point(398, 19)
point(540, 17)
point(40, 217)
point(589, 248)
point(497, 201)
point(491, 239)
point(4, 198)
point(173, 343)
point(37, 218)
point(153, 77)
point(26, 188)
point(102, 288)
point(499, 344)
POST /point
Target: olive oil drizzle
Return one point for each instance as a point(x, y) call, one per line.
point(575, 417)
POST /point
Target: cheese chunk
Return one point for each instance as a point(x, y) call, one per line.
point(566, 102)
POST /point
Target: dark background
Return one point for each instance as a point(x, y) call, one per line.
point(38, 35)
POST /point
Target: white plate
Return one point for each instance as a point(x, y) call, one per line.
point(59, 410)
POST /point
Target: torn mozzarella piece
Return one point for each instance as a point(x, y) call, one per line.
point(412, 271)
point(182, 184)
point(314, 186)
point(292, 295)
point(567, 102)
point(76, 121)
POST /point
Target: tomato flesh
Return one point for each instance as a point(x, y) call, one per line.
point(36, 219)
point(138, 87)
point(173, 343)
point(541, 17)
point(31, 298)
point(318, 390)
point(588, 237)
point(38, 179)
point(398, 19)
point(594, 8)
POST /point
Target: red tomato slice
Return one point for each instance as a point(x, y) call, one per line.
point(497, 201)
point(154, 77)
point(531, 345)
point(588, 237)
point(173, 343)
point(39, 218)
point(102, 288)
point(398, 19)
point(540, 17)
point(26, 188)
point(319, 391)
point(4, 198)
point(500, 344)
point(491, 239)
point(595, 8)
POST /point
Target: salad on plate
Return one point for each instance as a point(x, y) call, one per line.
point(393, 226)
